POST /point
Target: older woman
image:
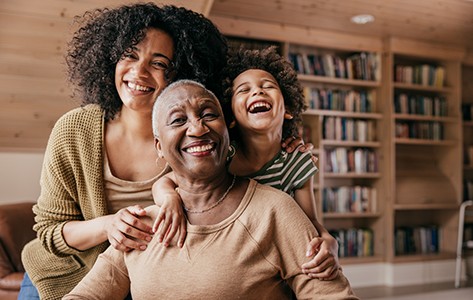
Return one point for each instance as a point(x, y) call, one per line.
point(244, 239)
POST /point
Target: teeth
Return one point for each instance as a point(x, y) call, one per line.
point(138, 87)
point(199, 148)
point(260, 104)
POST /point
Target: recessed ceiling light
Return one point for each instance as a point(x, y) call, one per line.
point(362, 19)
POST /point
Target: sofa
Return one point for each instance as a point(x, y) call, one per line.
point(16, 229)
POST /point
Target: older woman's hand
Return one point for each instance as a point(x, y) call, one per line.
point(126, 231)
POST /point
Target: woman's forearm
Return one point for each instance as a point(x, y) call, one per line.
point(83, 235)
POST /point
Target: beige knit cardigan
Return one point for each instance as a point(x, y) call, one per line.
point(71, 189)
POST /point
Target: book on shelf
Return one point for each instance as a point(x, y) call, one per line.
point(348, 129)
point(423, 74)
point(340, 100)
point(344, 199)
point(420, 105)
point(344, 160)
point(416, 240)
point(419, 130)
point(354, 242)
point(361, 66)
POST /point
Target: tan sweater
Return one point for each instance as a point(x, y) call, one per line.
point(249, 255)
point(71, 189)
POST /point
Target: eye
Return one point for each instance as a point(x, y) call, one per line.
point(129, 54)
point(269, 86)
point(177, 121)
point(209, 116)
point(242, 90)
point(160, 65)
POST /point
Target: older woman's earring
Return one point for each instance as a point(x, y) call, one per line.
point(288, 116)
point(232, 124)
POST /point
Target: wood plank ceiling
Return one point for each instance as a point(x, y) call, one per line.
point(441, 21)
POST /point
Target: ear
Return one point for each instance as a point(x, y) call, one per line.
point(157, 146)
point(232, 124)
point(287, 116)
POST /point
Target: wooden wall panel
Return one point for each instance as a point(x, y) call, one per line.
point(33, 89)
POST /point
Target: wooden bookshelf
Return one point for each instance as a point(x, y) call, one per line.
point(418, 181)
point(426, 159)
point(343, 86)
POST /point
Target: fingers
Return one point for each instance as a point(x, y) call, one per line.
point(125, 231)
point(293, 144)
point(287, 141)
point(314, 246)
point(324, 265)
point(182, 233)
point(167, 225)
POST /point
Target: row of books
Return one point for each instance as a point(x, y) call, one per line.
point(425, 74)
point(420, 105)
point(345, 199)
point(343, 100)
point(467, 112)
point(345, 160)
point(416, 240)
point(354, 242)
point(347, 129)
point(362, 66)
point(419, 130)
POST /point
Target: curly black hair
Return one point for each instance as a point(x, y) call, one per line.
point(269, 60)
point(105, 34)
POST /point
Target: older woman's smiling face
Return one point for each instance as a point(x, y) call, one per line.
point(193, 137)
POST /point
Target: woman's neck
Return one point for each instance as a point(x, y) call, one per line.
point(209, 202)
point(129, 143)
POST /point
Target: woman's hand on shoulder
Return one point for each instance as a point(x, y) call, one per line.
point(127, 230)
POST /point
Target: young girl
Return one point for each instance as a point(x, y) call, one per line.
point(265, 102)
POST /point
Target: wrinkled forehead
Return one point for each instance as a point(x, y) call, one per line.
point(186, 93)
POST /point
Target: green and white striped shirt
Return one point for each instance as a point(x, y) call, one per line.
point(286, 171)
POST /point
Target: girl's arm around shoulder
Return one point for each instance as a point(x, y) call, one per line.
point(170, 219)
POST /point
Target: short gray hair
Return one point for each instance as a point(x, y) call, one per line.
point(165, 93)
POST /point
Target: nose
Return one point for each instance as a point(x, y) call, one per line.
point(197, 128)
point(140, 68)
point(257, 91)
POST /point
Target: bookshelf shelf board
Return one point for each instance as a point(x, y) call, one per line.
point(423, 257)
point(424, 118)
point(418, 87)
point(350, 215)
point(351, 175)
point(335, 143)
point(339, 113)
point(360, 260)
point(467, 167)
point(338, 81)
point(468, 123)
point(408, 141)
point(425, 206)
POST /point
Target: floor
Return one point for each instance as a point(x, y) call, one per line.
point(435, 291)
